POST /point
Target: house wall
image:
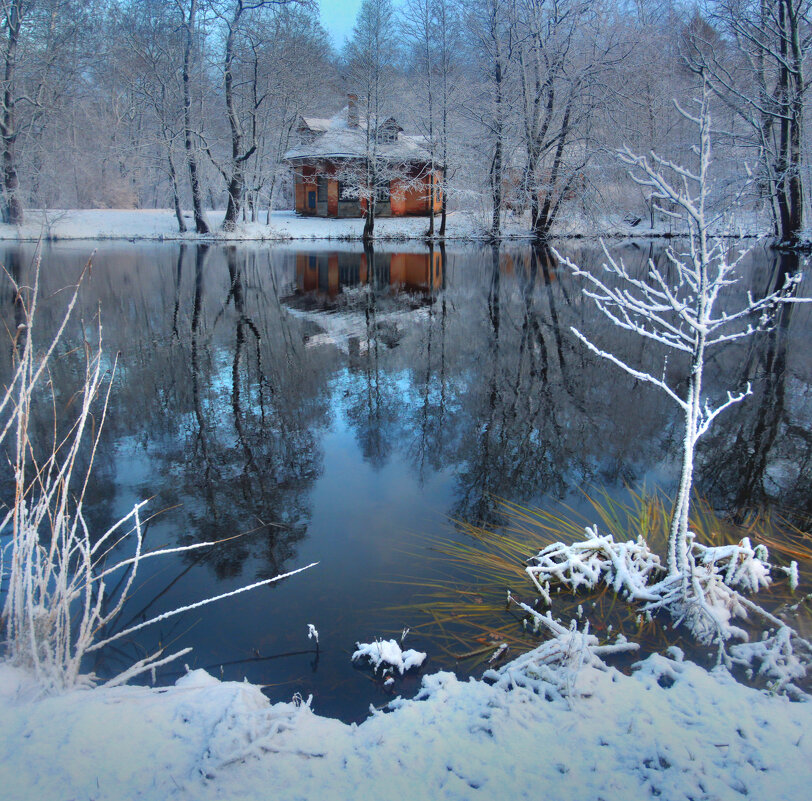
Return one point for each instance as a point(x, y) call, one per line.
point(412, 197)
point(406, 198)
point(304, 184)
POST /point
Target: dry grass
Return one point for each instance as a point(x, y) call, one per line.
point(465, 610)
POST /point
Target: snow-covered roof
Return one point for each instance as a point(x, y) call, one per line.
point(317, 123)
point(340, 141)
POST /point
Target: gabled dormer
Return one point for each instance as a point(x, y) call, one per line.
point(388, 131)
point(308, 128)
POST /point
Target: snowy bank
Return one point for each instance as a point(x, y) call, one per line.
point(671, 729)
point(160, 225)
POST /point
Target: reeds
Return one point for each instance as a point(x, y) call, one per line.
point(465, 610)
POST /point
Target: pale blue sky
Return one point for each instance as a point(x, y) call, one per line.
point(338, 17)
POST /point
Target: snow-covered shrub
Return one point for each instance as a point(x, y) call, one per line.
point(625, 566)
point(740, 566)
point(773, 658)
point(389, 654)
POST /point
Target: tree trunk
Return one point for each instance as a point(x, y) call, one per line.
point(176, 193)
point(12, 206)
point(496, 165)
point(201, 226)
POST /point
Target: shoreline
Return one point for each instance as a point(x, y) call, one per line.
point(673, 729)
point(160, 225)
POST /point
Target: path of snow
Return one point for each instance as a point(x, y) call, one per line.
point(704, 737)
point(160, 224)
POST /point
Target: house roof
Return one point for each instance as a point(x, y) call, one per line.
point(316, 123)
point(337, 140)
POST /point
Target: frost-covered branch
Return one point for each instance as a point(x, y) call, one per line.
point(56, 602)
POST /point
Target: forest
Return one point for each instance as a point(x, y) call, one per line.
point(523, 104)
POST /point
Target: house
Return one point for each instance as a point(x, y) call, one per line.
point(329, 164)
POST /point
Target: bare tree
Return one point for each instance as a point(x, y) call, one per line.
point(188, 10)
point(763, 80)
point(679, 315)
point(39, 60)
point(370, 71)
point(562, 58)
point(233, 17)
point(150, 33)
point(491, 24)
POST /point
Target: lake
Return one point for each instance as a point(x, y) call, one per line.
point(324, 404)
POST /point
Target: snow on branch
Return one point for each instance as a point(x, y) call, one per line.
point(388, 653)
point(551, 669)
point(624, 566)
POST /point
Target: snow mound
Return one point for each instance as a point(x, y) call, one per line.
point(388, 652)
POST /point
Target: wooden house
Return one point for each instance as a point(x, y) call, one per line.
point(331, 155)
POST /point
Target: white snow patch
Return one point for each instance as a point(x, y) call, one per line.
point(671, 729)
point(388, 652)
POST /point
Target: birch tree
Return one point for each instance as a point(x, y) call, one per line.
point(370, 73)
point(490, 24)
point(680, 315)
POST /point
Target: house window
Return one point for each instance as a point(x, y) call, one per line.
point(321, 186)
point(382, 193)
point(387, 135)
point(343, 192)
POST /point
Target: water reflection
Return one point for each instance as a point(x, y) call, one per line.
point(328, 404)
point(324, 275)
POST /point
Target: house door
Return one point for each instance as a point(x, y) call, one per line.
point(311, 201)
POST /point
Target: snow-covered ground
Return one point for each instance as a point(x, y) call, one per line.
point(160, 224)
point(671, 729)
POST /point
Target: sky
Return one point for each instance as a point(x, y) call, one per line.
point(338, 17)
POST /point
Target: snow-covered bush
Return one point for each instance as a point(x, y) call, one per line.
point(705, 599)
point(774, 658)
point(625, 566)
point(742, 566)
point(551, 669)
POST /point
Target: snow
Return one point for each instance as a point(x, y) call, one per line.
point(388, 652)
point(671, 729)
point(160, 225)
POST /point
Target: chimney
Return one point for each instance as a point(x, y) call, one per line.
point(352, 111)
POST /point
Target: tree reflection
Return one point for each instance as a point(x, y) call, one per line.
point(762, 454)
point(255, 480)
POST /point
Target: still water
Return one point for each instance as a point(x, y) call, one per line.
point(345, 407)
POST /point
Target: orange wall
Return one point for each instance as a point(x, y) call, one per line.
point(305, 182)
point(414, 199)
point(404, 199)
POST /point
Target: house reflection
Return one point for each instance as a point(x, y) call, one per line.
point(327, 274)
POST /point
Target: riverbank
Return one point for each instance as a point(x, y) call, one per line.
point(671, 729)
point(161, 225)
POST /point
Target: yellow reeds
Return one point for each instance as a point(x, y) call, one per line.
point(465, 610)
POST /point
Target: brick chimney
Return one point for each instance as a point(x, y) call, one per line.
point(352, 111)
